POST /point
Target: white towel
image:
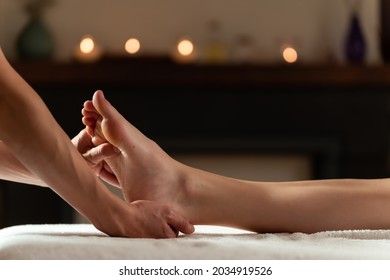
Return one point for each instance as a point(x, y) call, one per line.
point(85, 242)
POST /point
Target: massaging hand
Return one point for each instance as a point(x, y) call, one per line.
point(95, 156)
point(145, 219)
point(140, 219)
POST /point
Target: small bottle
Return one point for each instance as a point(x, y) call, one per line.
point(215, 51)
point(355, 45)
point(244, 50)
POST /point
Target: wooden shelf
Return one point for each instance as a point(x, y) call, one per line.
point(164, 73)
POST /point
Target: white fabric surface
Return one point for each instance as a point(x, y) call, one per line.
point(85, 242)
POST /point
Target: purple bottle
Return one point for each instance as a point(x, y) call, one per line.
point(355, 44)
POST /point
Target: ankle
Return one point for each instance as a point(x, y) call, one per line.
point(193, 187)
point(184, 191)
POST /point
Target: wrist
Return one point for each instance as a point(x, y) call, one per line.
point(110, 214)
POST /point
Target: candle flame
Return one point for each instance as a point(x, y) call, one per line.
point(290, 55)
point(87, 45)
point(185, 47)
point(132, 46)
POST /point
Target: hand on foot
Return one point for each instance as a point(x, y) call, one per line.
point(144, 171)
point(95, 156)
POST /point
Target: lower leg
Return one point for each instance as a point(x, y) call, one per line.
point(312, 206)
point(145, 171)
point(305, 206)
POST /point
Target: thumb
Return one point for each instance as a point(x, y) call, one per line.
point(101, 152)
point(178, 222)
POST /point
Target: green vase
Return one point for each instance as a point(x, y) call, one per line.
point(35, 41)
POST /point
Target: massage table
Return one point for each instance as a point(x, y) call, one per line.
point(83, 241)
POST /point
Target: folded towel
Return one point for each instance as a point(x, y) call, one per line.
point(83, 241)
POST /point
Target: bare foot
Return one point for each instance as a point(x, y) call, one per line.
point(143, 169)
point(145, 172)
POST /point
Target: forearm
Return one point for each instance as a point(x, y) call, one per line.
point(35, 139)
point(12, 169)
point(49, 155)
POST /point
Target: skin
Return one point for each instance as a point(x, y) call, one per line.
point(13, 170)
point(144, 171)
point(34, 149)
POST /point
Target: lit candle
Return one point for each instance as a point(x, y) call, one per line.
point(88, 50)
point(132, 46)
point(185, 47)
point(290, 54)
point(185, 51)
